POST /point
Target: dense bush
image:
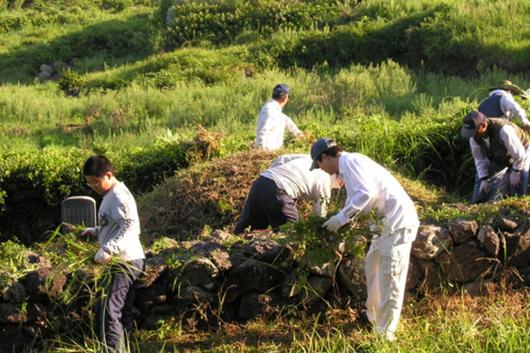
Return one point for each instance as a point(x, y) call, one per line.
point(222, 21)
point(444, 35)
point(33, 185)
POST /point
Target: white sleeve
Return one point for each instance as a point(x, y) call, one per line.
point(321, 195)
point(481, 159)
point(291, 126)
point(511, 108)
point(287, 158)
point(360, 195)
point(514, 147)
point(122, 216)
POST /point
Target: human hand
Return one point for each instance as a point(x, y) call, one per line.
point(515, 178)
point(89, 232)
point(484, 186)
point(102, 257)
point(333, 223)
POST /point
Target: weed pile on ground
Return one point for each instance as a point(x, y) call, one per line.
point(209, 193)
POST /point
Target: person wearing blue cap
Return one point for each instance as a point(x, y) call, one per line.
point(500, 103)
point(370, 186)
point(496, 144)
point(272, 122)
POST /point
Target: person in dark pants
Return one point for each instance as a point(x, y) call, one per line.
point(273, 195)
point(496, 144)
point(118, 234)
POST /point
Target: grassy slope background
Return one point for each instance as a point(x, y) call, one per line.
point(389, 79)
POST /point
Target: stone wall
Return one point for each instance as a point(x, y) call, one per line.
point(204, 282)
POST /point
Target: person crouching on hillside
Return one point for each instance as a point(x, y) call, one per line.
point(370, 186)
point(496, 144)
point(272, 122)
point(118, 234)
point(273, 195)
point(500, 103)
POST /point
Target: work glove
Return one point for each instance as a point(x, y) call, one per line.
point(515, 178)
point(102, 257)
point(334, 223)
point(89, 232)
point(484, 186)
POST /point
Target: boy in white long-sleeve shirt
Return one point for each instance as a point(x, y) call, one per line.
point(370, 186)
point(118, 234)
point(272, 122)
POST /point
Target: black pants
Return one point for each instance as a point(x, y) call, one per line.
point(114, 309)
point(266, 205)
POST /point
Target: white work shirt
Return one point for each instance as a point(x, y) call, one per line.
point(271, 126)
point(118, 227)
point(295, 178)
point(510, 107)
point(514, 148)
point(284, 158)
point(370, 186)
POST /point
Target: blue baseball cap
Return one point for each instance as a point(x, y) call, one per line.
point(321, 145)
point(280, 90)
point(471, 123)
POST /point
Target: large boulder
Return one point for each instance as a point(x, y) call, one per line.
point(462, 230)
point(505, 224)
point(414, 276)
point(199, 271)
point(351, 275)
point(432, 279)
point(489, 240)
point(431, 241)
point(215, 252)
point(521, 254)
point(466, 263)
point(254, 304)
point(315, 289)
point(251, 275)
point(268, 250)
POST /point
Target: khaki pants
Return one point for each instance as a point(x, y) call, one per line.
point(386, 267)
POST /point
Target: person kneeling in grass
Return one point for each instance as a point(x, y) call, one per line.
point(368, 186)
point(273, 195)
point(118, 234)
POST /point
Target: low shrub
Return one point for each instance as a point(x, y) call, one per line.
point(222, 21)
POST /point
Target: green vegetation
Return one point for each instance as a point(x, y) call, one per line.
point(133, 79)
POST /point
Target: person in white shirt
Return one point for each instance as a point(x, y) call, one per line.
point(118, 234)
point(370, 186)
point(272, 122)
point(496, 144)
point(272, 197)
point(500, 103)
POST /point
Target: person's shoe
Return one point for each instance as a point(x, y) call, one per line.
point(363, 320)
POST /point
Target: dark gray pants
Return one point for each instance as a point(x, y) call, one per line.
point(114, 309)
point(266, 205)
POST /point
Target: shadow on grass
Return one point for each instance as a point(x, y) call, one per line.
point(102, 43)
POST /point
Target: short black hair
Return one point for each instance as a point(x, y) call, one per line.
point(279, 95)
point(332, 152)
point(97, 166)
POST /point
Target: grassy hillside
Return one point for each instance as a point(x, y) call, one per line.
point(162, 87)
point(132, 79)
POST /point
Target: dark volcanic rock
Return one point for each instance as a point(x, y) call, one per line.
point(462, 230)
